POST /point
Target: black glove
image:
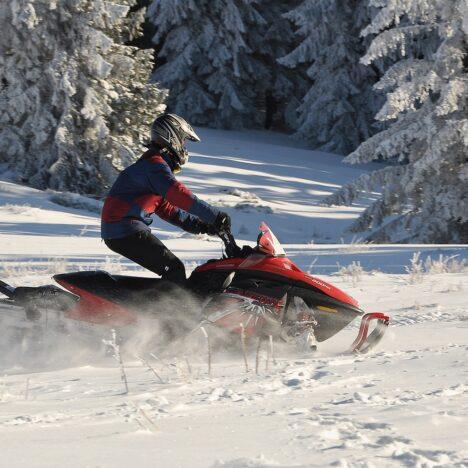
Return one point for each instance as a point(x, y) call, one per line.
point(205, 228)
point(222, 223)
point(197, 226)
point(246, 250)
point(214, 229)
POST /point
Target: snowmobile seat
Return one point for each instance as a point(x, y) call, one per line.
point(102, 283)
point(98, 279)
point(116, 288)
point(135, 282)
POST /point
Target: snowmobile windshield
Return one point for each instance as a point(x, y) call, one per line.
point(268, 243)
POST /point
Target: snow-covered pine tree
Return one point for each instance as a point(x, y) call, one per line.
point(207, 60)
point(74, 99)
point(287, 86)
point(424, 189)
point(337, 111)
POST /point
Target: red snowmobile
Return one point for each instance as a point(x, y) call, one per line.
point(257, 291)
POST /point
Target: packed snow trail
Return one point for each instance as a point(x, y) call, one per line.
point(405, 404)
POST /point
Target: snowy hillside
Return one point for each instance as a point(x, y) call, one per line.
point(403, 405)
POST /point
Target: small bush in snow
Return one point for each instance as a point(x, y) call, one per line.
point(445, 264)
point(42, 270)
point(416, 269)
point(356, 245)
point(112, 265)
point(352, 272)
point(48, 267)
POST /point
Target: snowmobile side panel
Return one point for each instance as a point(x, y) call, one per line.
point(95, 309)
point(123, 290)
point(99, 283)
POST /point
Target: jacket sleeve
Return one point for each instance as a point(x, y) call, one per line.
point(179, 217)
point(163, 182)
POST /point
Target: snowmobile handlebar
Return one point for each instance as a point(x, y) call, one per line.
point(231, 247)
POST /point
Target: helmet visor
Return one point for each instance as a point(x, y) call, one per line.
point(189, 132)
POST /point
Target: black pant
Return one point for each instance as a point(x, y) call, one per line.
point(149, 252)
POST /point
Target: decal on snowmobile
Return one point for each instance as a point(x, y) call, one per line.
point(320, 283)
point(327, 309)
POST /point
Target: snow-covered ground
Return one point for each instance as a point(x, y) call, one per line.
point(406, 404)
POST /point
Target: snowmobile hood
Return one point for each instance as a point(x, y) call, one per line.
point(278, 266)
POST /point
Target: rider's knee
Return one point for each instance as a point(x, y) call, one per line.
point(174, 271)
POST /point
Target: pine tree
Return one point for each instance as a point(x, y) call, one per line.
point(424, 189)
point(336, 113)
point(207, 59)
point(74, 100)
point(286, 86)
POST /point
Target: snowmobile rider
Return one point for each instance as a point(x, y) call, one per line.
point(148, 187)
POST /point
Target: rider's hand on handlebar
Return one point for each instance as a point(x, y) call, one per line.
point(209, 229)
point(222, 223)
point(246, 250)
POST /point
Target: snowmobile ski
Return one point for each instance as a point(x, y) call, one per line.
point(364, 342)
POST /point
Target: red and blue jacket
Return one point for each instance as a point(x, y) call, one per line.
point(149, 187)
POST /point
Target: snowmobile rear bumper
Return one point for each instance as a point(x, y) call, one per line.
point(35, 299)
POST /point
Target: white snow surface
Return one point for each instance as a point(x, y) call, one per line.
point(62, 402)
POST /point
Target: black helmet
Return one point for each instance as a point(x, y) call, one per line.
point(170, 131)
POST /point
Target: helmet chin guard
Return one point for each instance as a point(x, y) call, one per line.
point(171, 131)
